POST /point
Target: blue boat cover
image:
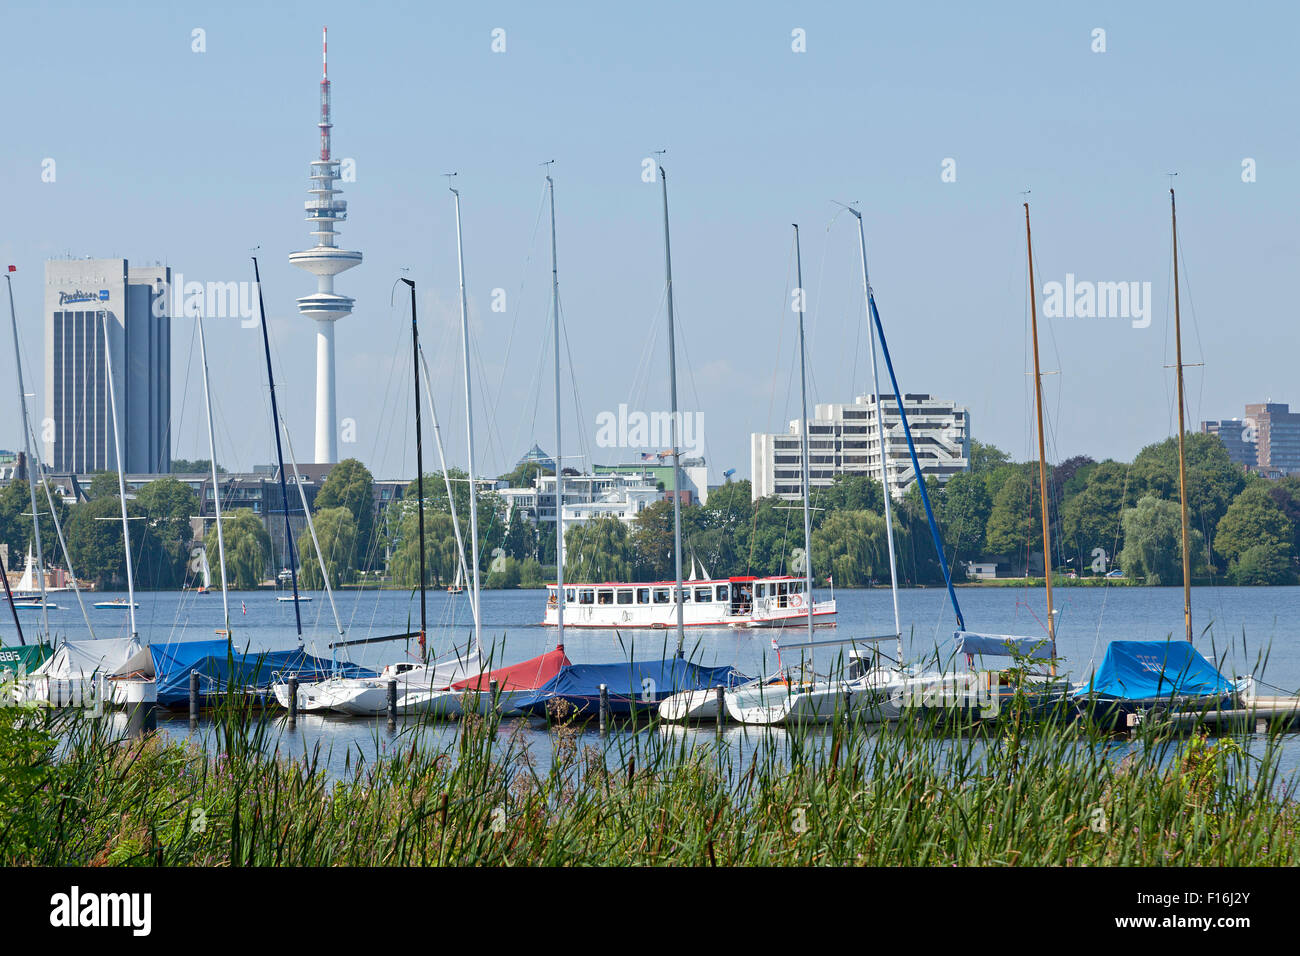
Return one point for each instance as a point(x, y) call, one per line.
point(631, 684)
point(220, 665)
point(1137, 670)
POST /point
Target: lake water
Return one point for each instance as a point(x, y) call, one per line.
point(1246, 630)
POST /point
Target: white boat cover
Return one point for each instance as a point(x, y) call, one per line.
point(1003, 645)
point(74, 660)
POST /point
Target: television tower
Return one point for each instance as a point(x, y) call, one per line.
point(325, 260)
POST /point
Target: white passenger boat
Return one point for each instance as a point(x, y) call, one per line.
point(775, 601)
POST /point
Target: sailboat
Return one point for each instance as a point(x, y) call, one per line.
point(77, 671)
point(504, 689)
point(1138, 677)
point(863, 681)
point(457, 586)
point(1040, 693)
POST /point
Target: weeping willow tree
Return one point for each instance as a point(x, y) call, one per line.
point(336, 529)
point(440, 557)
point(248, 548)
point(854, 547)
point(599, 550)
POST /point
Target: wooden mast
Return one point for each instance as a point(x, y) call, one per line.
point(1182, 458)
point(1042, 447)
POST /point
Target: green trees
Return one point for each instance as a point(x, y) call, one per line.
point(1090, 519)
point(1014, 520)
point(350, 485)
point(603, 550)
point(169, 505)
point(963, 509)
point(852, 545)
point(1153, 551)
point(1257, 538)
point(336, 530)
point(94, 535)
point(248, 548)
point(16, 522)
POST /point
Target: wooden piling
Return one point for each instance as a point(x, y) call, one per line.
point(392, 704)
point(604, 708)
point(293, 701)
point(194, 697)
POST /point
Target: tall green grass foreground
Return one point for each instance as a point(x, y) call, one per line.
point(908, 794)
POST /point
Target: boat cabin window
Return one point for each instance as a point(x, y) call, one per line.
point(685, 597)
point(703, 595)
point(723, 593)
point(662, 596)
point(642, 595)
point(781, 588)
point(568, 595)
point(796, 587)
point(625, 596)
point(604, 597)
point(762, 590)
point(586, 596)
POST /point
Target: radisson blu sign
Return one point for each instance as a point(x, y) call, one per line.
point(81, 296)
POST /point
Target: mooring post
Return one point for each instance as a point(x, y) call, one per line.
point(494, 689)
point(194, 697)
point(1261, 725)
point(604, 707)
point(392, 704)
point(293, 701)
point(722, 706)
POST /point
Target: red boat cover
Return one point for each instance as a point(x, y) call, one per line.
point(526, 675)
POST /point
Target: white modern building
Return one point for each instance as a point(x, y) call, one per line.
point(81, 296)
point(585, 497)
point(325, 260)
point(847, 440)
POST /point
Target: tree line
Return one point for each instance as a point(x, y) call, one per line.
point(1103, 514)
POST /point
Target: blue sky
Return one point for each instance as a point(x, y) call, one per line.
point(194, 158)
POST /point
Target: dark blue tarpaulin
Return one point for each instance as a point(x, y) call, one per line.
point(220, 666)
point(634, 686)
point(1140, 670)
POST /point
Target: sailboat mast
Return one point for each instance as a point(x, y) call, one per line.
point(419, 463)
point(279, 452)
point(13, 608)
point(1182, 428)
point(803, 431)
point(469, 430)
point(1042, 446)
point(121, 480)
point(677, 471)
point(216, 487)
point(462, 573)
point(31, 480)
point(559, 457)
point(884, 447)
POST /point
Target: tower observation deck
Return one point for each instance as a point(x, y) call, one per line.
point(325, 260)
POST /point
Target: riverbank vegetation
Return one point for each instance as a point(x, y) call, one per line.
point(70, 794)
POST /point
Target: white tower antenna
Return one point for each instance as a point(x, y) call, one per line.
point(325, 261)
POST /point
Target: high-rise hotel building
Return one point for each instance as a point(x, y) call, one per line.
point(850, 439)
point(81, 297)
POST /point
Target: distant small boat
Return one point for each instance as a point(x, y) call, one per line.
point(289, 600)
point(115, 603)
point(20, 605)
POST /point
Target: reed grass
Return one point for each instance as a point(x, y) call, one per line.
point(849, 794)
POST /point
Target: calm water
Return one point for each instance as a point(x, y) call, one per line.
point(1239, 627)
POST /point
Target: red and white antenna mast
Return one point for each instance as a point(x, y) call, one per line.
point(324, 124)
